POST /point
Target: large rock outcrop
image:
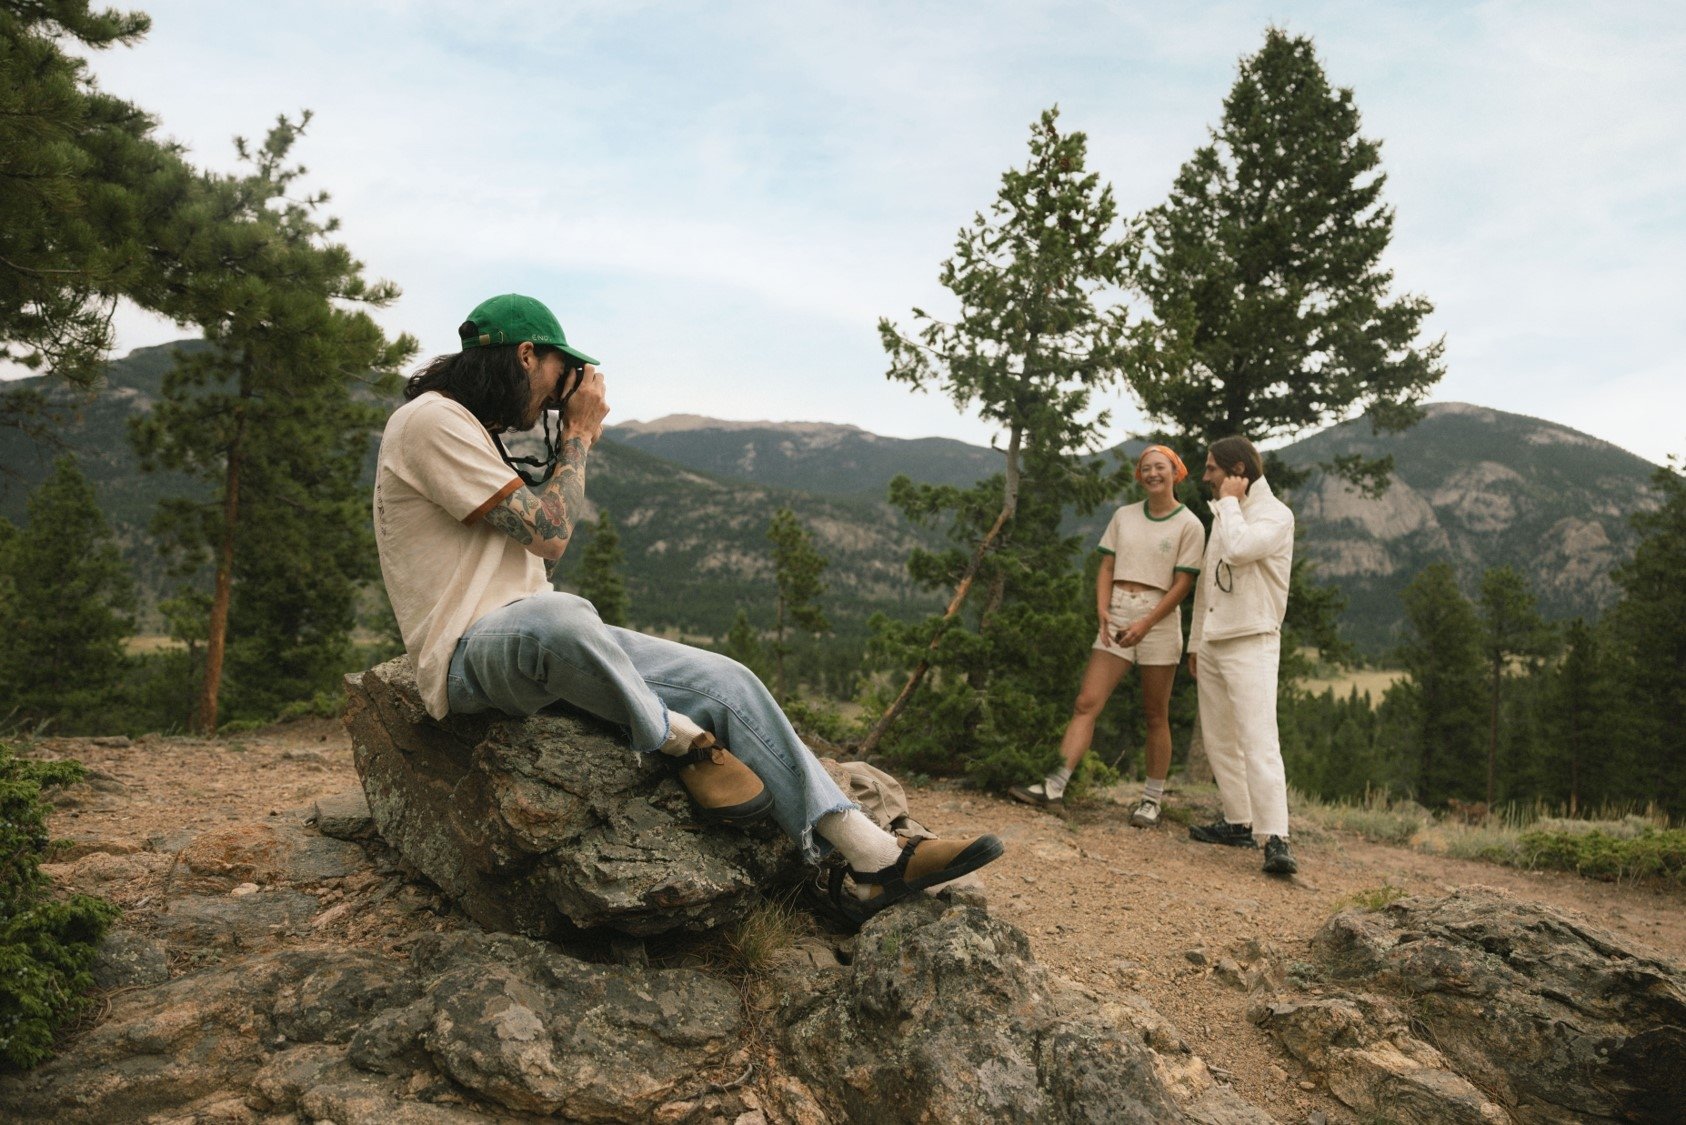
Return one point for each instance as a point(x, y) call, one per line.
point(1477, 1007)
point(945, 1016)
point(549, 825)
point(476, 1026)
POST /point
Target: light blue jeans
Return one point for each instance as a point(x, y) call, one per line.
point(553, 646)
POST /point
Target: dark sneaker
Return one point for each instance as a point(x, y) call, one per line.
point(1221, 831)
point(1278, 859)
point(1145, 814)
point(1036, 795)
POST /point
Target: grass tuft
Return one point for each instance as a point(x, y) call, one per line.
point(1372, 899)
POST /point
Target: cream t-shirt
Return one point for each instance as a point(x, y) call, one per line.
point(444, 568)
point(1151, 550)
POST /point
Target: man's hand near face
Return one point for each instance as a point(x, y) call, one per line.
point(587, 407)
point(1235, 487)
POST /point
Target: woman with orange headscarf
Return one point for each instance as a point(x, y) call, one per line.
point(1150, 556)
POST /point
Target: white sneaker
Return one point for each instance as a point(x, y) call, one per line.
point(1145, 814)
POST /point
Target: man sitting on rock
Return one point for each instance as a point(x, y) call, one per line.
point(468, 542)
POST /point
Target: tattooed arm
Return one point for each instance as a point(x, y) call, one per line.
point(542, 519)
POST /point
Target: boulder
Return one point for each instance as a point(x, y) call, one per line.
point(1478, 1007)
point(475, 1027)
point(549, 825)
point(944, 1016)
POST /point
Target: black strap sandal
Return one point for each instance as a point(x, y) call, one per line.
point(845, 909)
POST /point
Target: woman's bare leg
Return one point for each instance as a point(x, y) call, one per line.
point(1156, 711)
point(1100, 678)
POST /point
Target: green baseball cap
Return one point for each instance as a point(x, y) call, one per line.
point(511, 319)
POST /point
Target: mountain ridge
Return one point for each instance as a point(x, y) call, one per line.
point(692, 495)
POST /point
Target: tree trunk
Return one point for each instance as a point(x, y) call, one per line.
point(1009, 504)
point(216, 638)
point(778, 652)
point(1493, 731)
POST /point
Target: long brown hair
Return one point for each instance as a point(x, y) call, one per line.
point(1228, 450)
point(489, 381)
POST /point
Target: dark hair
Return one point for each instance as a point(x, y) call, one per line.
point(1227, 451)
point(489, 381)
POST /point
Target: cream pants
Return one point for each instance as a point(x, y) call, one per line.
point(1237, 691)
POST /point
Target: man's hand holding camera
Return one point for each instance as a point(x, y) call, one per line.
point(587, 407)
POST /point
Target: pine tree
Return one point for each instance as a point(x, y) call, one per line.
point(600, 577)
point(1579, 712)
point(95, 206)
point(1028, 350)
point(69, 604)
point(743, 643)
point(268, 416)
point(1269, 306)
point(1650, 635)
point(1510, 627)
point(796, 567)
point(1443, 658)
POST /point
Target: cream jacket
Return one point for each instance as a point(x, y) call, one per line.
point(1243, 587)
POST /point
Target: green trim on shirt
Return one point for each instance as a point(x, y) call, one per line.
point(1163, 518)
point(1107, 551)
point(1185, 570)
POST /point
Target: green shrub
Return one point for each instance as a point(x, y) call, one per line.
point(46, 945)
point(1654, 853)
point(1091, 777)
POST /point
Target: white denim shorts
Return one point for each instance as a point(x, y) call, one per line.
point(1163, 643)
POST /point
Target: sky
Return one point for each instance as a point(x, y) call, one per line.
point(720, 200)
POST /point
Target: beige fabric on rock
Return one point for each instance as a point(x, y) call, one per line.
point(880, 796)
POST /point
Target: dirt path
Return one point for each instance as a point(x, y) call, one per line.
point(1107, 905)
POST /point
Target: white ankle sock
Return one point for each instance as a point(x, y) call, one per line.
point(682, 731)
point(1054, 783)
point(864, 845)
point(1153, 790)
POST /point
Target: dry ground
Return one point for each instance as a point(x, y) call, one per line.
point(1107, 905)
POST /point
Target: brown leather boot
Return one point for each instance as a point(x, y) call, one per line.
point(722, 789)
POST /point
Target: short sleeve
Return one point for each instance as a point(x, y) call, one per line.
point(1109, 538)
point(449, 457)
point(1191, 545)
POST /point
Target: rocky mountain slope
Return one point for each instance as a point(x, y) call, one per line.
point(693, 497)
point(1479, 488)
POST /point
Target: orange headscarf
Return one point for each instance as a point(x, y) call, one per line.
point(1179, 471)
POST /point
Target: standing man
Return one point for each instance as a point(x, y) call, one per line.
point(468, 541)
point(1235, 646)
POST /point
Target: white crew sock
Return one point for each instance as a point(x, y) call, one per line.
point(865, 846)
point(1054, 783)
point(1154, 790)
point(682, 733)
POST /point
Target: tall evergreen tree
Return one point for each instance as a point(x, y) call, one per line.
point(267, 415)
point(743, 643)
point(1029, 348)
point(1511, 627)
point(1270, 312)
point(1579, 713)
point(600, 578)
point(796, 567)
point(1442, 655)
point(95, 206)
point(1650, 635)
point(70, 603)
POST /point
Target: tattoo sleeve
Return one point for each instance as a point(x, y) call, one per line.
point(541, 517)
